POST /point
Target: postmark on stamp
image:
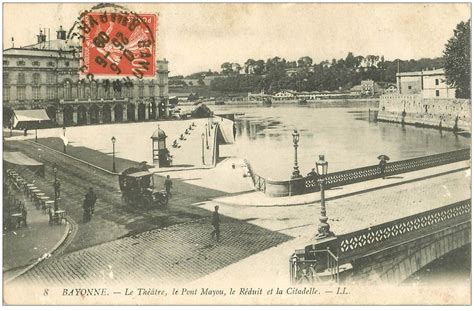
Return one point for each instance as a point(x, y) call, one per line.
point(118, 44)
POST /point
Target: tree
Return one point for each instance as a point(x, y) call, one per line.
point(305, 61)
point(457, 60)
point(236, 68)
point(248, 66)
point(226, 68)
point(350, 61)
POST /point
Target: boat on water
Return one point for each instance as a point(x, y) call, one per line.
point(302, 102)
point(267, 102)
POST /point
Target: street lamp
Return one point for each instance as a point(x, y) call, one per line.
point(113, 139)
point(296, 139)
point(322, 170)
point(64, 141)
point(55, 171)
point(207, 140)
point(202, 136)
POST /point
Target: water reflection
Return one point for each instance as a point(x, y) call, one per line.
point(343, 134)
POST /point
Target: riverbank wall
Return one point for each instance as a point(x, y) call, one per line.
point(341, 102)
point(413, 109)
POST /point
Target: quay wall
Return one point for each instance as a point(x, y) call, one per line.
point(414, 109)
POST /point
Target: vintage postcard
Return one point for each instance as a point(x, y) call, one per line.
point(236, 153)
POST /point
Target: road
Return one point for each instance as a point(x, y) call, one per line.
point(174, 245)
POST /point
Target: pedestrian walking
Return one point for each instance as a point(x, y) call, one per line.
point(382, 165)
point(86, 216)
point(168, 186)
point(57, 188)
point(216, 223)
point(91, 198)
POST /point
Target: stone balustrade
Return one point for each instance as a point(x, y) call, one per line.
point(309, 184)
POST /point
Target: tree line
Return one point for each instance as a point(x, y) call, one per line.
point(277, 74)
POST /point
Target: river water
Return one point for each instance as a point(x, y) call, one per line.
point(348, 139)
point(342, 133)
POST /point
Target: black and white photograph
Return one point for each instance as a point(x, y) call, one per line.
point(236, 153)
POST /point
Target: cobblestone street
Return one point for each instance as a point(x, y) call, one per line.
point(112, 219)
point(172, 246)
point(175, 254)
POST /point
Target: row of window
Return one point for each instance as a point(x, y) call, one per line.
point(83, 94)
point(33, 63)
point(36, 78)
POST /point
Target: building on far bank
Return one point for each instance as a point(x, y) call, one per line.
point(429, 83)
point(46, 75)
point(424, 98)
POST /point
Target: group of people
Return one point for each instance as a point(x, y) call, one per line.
point(90, 199)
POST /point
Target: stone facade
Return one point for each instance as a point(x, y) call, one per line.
point(429, 83)
point(434, 112)
point(46, 75)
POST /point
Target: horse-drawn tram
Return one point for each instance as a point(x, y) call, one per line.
point(138, 189)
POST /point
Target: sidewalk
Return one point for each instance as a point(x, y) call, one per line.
point(26, 245)
point(223, 177)
point(258, 198)
point(346, 215)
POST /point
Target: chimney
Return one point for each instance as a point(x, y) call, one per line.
point(41, 37)
point(61, 34)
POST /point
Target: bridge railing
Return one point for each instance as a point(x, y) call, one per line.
point(310, 184)
point(348, 247)
point(258, 181)
point(361, 241)
point(311, 271)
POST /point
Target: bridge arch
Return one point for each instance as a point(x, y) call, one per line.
point(418, 258)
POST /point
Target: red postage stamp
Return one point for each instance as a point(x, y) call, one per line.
point(119, 44)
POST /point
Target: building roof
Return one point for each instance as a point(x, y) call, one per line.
point(36, 115)
point(35, 52)
point(159, 134)
point(57, 44)
point(434, 72)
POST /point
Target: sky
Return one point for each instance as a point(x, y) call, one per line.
point(198, 37)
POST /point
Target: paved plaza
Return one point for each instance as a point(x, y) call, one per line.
point(166, 256)
point(173, 245)
point(253, 238)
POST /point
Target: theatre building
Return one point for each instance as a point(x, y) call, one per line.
point(45, 75)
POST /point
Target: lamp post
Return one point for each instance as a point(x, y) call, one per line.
point(113, 139)
point(64, 142)
point(296, 139)
point(322, 170)
point(207, 139)
point(36, 134)
point(55, 172)
point(202, 136)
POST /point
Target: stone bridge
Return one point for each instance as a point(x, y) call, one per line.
point(391, 251)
